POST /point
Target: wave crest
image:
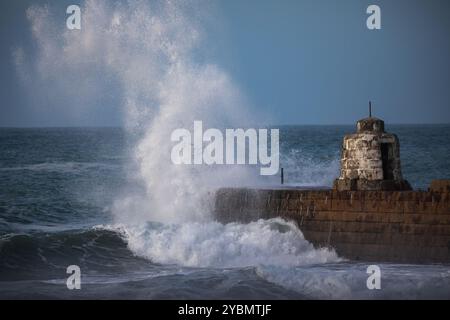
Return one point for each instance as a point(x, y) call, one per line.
point(194, 244)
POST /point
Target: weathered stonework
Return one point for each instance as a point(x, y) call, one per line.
point(370, 215)
point(391, 226)
point(440, 186)
point(370, 159)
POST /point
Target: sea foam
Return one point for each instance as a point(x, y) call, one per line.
point(146, 54)
point(273, 242)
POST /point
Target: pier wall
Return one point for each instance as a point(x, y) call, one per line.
point(391, 226)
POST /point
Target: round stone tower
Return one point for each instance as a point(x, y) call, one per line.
point(370, 159)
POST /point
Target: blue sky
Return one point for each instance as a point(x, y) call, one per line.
point(302, 62)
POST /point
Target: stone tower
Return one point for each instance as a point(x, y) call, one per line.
point(370, 159)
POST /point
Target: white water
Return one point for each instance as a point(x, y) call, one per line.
point(146, 51)
point(144, 55)
point(273, 242)
point(348, 281)
point(304, 170)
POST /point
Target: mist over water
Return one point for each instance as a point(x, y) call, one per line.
point(149, 50)
point(156, 218)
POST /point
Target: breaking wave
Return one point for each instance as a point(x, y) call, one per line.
point(212, 244)
point(149, 49)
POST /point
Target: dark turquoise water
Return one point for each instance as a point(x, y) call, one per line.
point(57, 188)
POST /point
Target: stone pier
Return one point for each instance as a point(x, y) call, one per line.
point(390, 226)
point(370, 214)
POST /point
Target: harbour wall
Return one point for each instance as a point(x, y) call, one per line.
point(389, 226)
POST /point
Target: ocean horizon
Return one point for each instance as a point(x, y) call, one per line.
point(68, 198)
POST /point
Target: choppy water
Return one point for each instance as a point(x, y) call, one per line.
point(57, 193)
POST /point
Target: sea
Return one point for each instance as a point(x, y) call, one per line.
point(67, 198)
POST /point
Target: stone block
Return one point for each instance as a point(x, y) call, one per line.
point(440, 186)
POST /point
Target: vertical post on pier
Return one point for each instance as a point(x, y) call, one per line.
point(370, 109)
point(282, 176)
